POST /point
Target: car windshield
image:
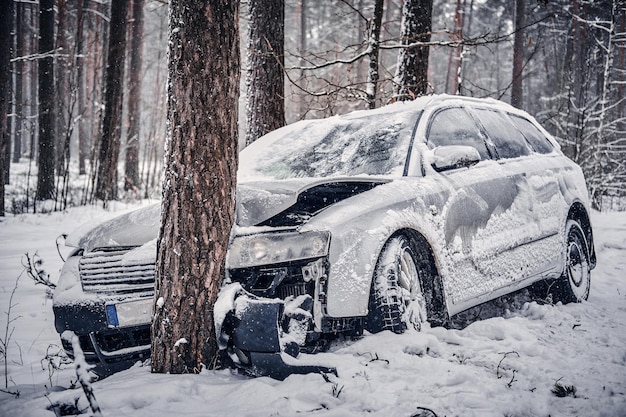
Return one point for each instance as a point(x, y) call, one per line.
point(375, 144)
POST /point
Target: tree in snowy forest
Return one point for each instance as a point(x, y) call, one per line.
point(373, 51)
point(265, 85)
point(6, 16)
point(106, 185)
point(131, 165)
point(411, 79)
point(199, 186)
point(517, 93)
point(582, 103)
point(47, 157)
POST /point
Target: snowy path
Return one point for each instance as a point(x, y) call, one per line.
point(502, 366)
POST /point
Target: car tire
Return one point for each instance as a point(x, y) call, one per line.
point(574, 284)
point(396, 298)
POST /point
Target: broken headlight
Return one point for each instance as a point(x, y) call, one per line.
point(272, 248)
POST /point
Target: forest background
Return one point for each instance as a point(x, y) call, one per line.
point(86, 121)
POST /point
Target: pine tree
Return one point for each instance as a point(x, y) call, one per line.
point(199, 186)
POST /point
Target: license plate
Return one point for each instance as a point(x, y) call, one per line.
point(129, 313)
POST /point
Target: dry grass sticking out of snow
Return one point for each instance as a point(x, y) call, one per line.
point(531, 360)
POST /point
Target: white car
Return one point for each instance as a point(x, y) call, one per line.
point(376, 220)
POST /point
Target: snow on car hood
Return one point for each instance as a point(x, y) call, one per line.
point(132, 229)
point(256, 203)
point(260, 201)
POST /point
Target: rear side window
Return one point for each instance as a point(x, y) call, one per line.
point(506, 137)
point(453, 126)
point(538, 140)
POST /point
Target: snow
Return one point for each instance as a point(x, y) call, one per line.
point(504, 365)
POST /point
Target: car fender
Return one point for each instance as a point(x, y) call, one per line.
point(360, 226)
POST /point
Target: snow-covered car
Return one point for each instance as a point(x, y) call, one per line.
point(376, 220)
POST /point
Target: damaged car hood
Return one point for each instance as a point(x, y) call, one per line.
point(293, 202)
point(131, 229)
point(277, 203)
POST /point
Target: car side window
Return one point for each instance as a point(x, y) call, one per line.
point(454, 126)
point(505, 136)
point(537, 140)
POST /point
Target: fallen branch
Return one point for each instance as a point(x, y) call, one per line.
point(82, 372)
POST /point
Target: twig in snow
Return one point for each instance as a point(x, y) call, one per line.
point(500, 364)
point(8, 332)
point(82, 373)
point(39, 276)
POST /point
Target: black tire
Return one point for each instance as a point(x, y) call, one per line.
point(396, 298)
point(574, 284)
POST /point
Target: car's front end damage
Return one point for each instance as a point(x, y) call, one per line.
point(279, 270)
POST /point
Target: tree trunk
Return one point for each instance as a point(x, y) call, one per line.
point(265, 85)
point(374, 48)
point(106, 186)
point(81, 86)
point(454, 60)
point(6, 18)
point(131, 177)
point(411, 79)
point(199, 185)
point(518, 54)
point(46, 158)
point(61, 84)
point(19, 85)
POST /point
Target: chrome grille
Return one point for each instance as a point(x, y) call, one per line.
point(105, 271)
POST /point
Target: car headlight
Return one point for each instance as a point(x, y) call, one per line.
point(271, 248)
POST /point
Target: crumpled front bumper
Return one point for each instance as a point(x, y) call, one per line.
point(251, 335)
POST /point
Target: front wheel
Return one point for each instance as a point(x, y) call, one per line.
point(573, 285)
point(396, 298)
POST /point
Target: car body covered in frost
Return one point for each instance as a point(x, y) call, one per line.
point(374, 220)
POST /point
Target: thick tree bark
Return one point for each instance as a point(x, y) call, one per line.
point(46, 159)
point(106, 185)
point(517, 92)
point(199, 186)
point(411, 79)
point(131, 177)
point(6, 18)
point(265, 85)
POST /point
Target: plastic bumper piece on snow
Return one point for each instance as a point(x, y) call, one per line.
point(257, 334)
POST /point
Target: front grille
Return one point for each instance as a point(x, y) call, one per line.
point(106, 271)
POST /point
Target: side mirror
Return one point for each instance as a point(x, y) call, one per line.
point(455, 156)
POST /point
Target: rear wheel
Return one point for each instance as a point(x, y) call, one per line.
point(397, 301)
point(574, 283)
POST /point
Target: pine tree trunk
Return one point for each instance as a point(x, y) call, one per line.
point(19, 85)
point(411, 79)
point(517, 92)
point(199, 186)
point(46, 158)
point(81, 87)
point(6, 17)
point(265, 86)
point(106, 186)
point(61, 84)
point(131, 178)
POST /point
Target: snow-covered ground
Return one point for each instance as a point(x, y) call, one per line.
point(507, 365)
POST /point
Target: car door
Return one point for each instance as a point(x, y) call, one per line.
point(526, 234)
point(480, 194)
